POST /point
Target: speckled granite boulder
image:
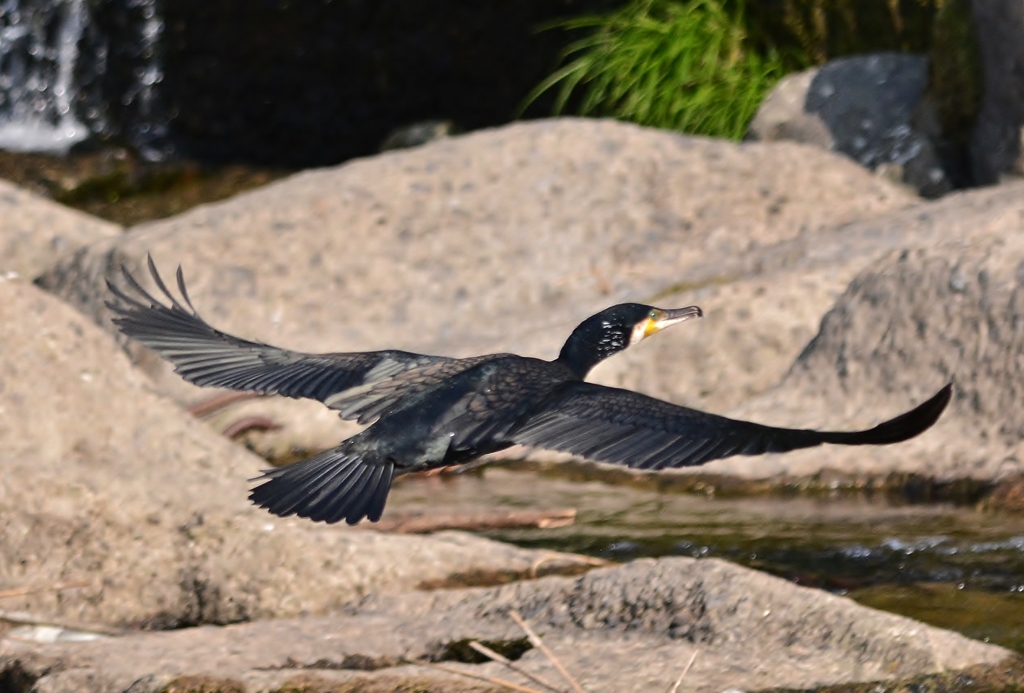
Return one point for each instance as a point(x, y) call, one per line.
point(35, 232)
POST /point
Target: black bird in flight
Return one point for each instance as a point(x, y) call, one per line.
point(432, 411)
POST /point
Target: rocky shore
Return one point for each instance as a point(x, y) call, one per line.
point(626, 629)
point(832, 297)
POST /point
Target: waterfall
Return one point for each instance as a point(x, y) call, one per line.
point(38, 53)
point(70, 69)
point(127, 37)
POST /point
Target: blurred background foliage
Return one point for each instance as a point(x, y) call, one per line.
point(703, 66)
point(821, 30)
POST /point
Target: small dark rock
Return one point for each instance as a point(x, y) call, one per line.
point(871, 108)
point(418, 133)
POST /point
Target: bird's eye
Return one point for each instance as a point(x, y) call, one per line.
point(653, 315)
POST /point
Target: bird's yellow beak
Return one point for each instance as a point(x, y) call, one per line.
point(662, 318)
point(667, 318)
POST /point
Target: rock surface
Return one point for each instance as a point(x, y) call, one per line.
point(783, 116)
point(35, 232)
point(625, 629)
point(115, 491)
point(942, 307)
point(501, 240)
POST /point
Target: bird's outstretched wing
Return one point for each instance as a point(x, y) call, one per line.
point(622, 427)
point(206, 356)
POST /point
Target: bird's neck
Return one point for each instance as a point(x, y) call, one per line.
point(580, 355)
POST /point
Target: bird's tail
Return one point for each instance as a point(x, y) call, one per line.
point(333, 486)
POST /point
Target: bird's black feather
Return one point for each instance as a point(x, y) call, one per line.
point(208, 357)
point(623, 427)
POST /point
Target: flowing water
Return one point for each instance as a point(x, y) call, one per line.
point(38, 52)
point(942, 564)
point(71, 68)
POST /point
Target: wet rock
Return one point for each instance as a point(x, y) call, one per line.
point(871, 108)
point(501, 240)
point(996, 141)
point(119, 508)
point(1009, 495)
point(35, 233)
point(630, 628)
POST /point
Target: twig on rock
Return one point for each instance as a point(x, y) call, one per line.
point(55, 587)
point(218, 402)
point(539, 644)
point(424, 524)
point(478, 677)
point(39, 620)
point(686, 669)
point(575, 558)
point(248, 423)
point(491, 654)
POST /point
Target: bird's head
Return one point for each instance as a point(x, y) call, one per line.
point(615, 329)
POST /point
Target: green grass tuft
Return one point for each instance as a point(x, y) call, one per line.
point(667, 64)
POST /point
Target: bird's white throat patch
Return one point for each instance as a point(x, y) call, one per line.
point(639, 331)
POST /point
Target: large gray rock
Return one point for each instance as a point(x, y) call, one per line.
point(996, 141)
point(35, 232)
point(945, 307)
point(107, 483)
point(625, 629)
point(501, 240)
point(871, 108)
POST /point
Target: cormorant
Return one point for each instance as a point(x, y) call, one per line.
point(432, 411)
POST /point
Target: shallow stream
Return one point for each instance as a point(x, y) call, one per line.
point(947, 565)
